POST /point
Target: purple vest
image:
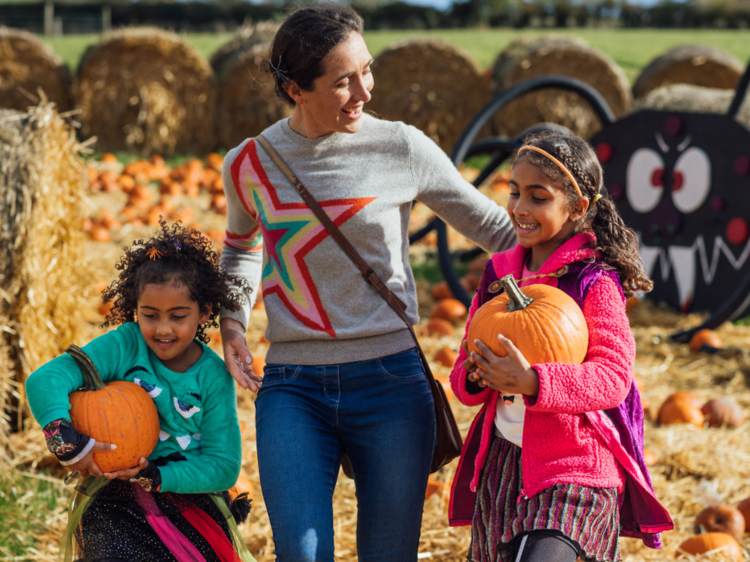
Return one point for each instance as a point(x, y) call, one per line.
point(636, 516)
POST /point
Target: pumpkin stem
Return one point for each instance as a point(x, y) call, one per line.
point(91, 378)
point(518, 301)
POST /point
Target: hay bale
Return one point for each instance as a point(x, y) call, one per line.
point(247, 100)
point(26, 65)
point(244, 39)
point(527, 58)
point(430, 84)
point(699, 65)
point(694, 99)
point(43, 273)
point(146, 91)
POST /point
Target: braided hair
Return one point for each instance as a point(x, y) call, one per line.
point(616, 243)
point(174, 254)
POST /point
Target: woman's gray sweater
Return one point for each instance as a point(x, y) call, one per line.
point(320, 309)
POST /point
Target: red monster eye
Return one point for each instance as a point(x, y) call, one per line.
point(657, 178)
point(679, 179)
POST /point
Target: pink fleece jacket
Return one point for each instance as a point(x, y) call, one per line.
point(561, 440)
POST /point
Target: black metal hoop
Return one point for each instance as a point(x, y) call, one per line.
point(501, 149)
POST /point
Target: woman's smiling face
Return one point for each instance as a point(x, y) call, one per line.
point(538, 208)
point(335, 103)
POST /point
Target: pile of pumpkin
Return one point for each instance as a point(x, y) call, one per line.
point(136, 180)
point(719, 528)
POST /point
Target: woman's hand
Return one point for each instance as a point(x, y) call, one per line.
point(237, 356)
point(87, 466)
point(128, 473)
point(512, 374)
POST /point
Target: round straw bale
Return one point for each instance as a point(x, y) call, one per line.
point(699, 65)
point(146, 91)
point(694, 99)
point(247, 99)
point(43, 270)
point(430, 84)
point(245, 38)
point(26, 65)
point(527, 58)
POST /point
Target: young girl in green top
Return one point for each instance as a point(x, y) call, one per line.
point(173, 505)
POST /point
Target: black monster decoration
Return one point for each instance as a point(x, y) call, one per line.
point(682, 182)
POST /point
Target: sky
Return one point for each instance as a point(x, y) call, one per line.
point(443, 4)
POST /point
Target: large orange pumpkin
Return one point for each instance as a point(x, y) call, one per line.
point(121, 413)
point(711, 542)
point(545, 324)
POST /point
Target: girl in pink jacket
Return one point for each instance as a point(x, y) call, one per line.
point(552, 468)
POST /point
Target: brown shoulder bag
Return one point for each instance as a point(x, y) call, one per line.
point(449, 443)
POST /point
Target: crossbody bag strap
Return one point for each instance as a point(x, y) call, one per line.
point(396, 303)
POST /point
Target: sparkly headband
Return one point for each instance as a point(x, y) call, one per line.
point(557, 162)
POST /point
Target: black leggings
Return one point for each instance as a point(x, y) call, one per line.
point(545, 546)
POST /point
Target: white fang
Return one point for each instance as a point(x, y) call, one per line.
point(183, 441)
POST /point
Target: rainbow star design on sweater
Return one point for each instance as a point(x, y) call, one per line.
point(290, 232)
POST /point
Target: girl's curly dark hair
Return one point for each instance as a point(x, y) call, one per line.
point(617, 243)
point(176, 253)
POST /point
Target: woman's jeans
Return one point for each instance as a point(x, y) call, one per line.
point(380, 413)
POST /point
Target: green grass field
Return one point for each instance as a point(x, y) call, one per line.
point(631, 48)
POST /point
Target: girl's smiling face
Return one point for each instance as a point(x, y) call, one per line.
point(540, 211)
point(168, 319)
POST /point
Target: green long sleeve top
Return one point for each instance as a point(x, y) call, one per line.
point(197, 408)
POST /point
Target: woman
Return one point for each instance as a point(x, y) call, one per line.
point(343, 375)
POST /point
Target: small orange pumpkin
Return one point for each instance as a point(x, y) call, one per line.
point(441, 291)
point(259, 361)
point(446, 384)
point(650, 457)
point(446, 357)
point(439, 327)
point(545, 324)
point(449, 309)
point(433, 485)
point(707, 338)
point(121, 413)
point(711, 542)
point(680, 410)
point(243, 486)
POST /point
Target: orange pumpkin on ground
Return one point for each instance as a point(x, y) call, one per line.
point(243, 485)
point(446, 384)
point(99, 233)
point(680, 410)
point(707, 338)
point(650, 457)
point(121, 413)
point(744, 509)
point(721, 412)
point(433, 486)
point(259, 361)
point(446, 357)
point(711, 542)
point(545, 324)
point(721, 518)
point(441, 291)
point(449, 309)
point(439, 327)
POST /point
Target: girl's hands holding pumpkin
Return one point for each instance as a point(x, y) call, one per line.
point(237, 356)
point(512, 374)
point(470, 366)
point(128, 473)
point(87, 466)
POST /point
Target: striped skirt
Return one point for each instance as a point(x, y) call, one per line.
point(588, 516)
